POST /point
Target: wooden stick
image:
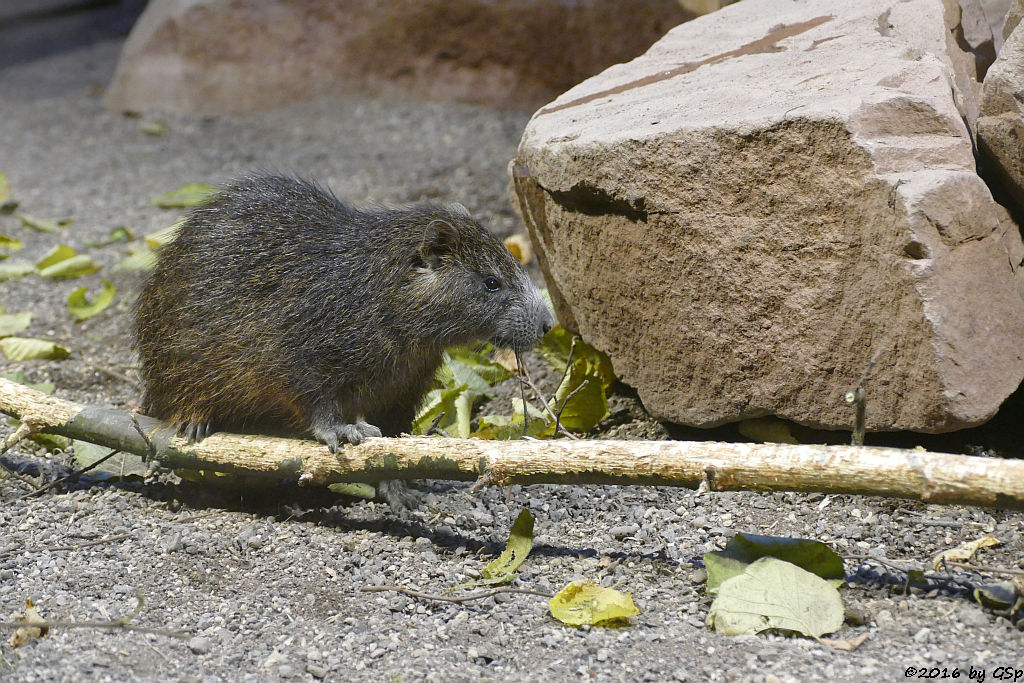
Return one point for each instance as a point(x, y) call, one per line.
point(891, 472)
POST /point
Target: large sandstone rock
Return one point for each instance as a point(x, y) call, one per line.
point(235, 56)
point(1001, 124)
point(771, 197)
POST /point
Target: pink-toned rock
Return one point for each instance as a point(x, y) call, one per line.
point(1001, 123)
point(235, 56)
point(770, 198)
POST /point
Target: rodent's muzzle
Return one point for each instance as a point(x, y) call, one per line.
point(524, 325)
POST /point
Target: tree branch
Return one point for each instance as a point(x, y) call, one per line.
point(912, 474)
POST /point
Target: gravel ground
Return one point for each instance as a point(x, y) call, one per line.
point(266, 581)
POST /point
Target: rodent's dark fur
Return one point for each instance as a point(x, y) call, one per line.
point(279, 305)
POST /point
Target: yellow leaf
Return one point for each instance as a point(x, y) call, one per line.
point(964, 551)
point(584, 602)
point(520, 542)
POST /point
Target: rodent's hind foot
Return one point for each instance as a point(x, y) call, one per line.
point(338, 433)
point(195, 431)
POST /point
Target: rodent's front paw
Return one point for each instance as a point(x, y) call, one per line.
point(343, 432)
point(195, 431)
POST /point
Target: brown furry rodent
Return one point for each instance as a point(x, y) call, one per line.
point(277, 305)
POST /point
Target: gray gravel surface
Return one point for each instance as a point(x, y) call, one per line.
point(265, 581)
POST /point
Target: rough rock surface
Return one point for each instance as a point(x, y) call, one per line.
point(1001, 124)
point(235, 56)
point(768, 199)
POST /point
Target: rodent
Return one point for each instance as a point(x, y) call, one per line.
point(279, 305)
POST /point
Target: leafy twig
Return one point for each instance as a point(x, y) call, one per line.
point(449, 598)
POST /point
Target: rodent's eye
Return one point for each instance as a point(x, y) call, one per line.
point(492, 284)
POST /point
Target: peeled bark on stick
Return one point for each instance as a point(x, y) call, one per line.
point(891, 472)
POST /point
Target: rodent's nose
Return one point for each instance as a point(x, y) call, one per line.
point(547, 321)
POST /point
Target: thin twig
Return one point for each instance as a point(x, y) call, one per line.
point(114, 624)
point(988, 570)
point(522, 392)
point(540, 397)
point(434, 429)
point(69, 477)
point(117, 375)
point(448, 598)
point(138, 428)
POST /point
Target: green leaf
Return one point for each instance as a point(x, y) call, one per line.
point(767, 430)
point(555, 346)
point(186, 196)
point(12, 271)
point(743, 550)
point(589, 405)
point(14, 323)
point(585, 603)
point(22, 348)
point(153, 127)
point(117, 235)
point(520, 542)
point(21, 378)
point(454, 373)
point(61, 252)
point(37, 224)
point(774, 594)
point(72, 267)
point(83, 309)
point(140, 259)
point(480, 363)
point(120, 466)
point(157, 239)
point(365, 491)
point(10, 243)
point(437, 401)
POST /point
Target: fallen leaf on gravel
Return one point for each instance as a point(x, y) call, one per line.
point(26, 633)
point(10, 243)
point(153, 127)
point(21, 378)
point(845, 644)
point(140, 259)
point(24, 348)
point(11, 271)
point(14, 323)
point(185, 196)
point(1002, 595)
point(83, 309)
point(37, 224)
point(520, 542)
point(355, 490)
point(964, 551)
point(744, 549)
point(117, 235)
point(119, 466)
point(774, 594)
point(60, 252)
point(585, 603)
point(72, 267)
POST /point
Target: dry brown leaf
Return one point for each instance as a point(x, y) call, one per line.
point(520, 247)
point(26, 633)
point(846, 644)
point(964, 551)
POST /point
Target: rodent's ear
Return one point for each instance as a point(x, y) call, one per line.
point(459, 210)
point(439, 239)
